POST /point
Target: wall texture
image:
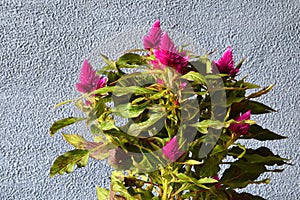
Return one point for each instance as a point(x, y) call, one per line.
point(43, 44)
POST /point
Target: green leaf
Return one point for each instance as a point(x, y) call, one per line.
point(250, 85)
point(105, 126)
point(240, 63)
point(205, 124)
point(136, 128)
point(207, 180)
point(263, 155)
point(261, 92)
point(246, 196)
point(128, 110)
point(231, 100)
point(111, 64)
point(120, 91)
point(56, 126)
point(259, 133)
point(200, 183)
point(241, 173)
point(117, 185)
point(195, 77)
point(191, 162)
point(102, 193)
point(67, 161)
point(62, 103)
point(131, 60)
point(97, 150)
point(254, 106)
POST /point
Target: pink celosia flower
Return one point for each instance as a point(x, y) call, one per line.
point(102, 82)
point(160, 81)
point(171, 150)
point(88, 79)
point(241, 128)
point(152, 40)
point(165, 51)
point(168, 56)
point(225, 65)
point(216, 177)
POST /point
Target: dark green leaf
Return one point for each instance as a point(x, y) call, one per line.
point(259, 133)
point(255, 107)
point(56, 126)
point(245, 196)
point(67, 161)
point(242, 173)
point(263, 155)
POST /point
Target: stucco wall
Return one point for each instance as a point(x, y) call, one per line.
point(43, 44)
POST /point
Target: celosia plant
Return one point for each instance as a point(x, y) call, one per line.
point(171, 129)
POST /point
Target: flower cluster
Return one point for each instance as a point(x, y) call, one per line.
point(184, 115)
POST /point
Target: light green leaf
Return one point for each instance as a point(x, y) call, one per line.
point(250, 85)
point(231, 100)
point(66, 162)
point(195, 77)
point(205, 124)
point(56, 126)
point(206, 180)
point(191, 162)
point(261, 92)
point(129, 111)
point(102, 193)
point(63, 103)
point(108, 125)
point(136, 128)
point(185, 178)
point(131, 60)
point(111, 64)
point(97, 150)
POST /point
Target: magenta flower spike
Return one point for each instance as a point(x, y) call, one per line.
point(102, 82)
point(241, 128)
point(167, 44)
point(225, 64)
point(216, 177)
point(169, 56)
point(88, 79)
point(152, 40)
point(171, 150)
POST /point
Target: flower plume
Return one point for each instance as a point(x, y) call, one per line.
point(171, 150)
point(241, 128)
point(88, 79)
point(225, 65)
point(152, 40)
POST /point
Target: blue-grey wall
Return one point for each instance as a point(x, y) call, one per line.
point(44, 42)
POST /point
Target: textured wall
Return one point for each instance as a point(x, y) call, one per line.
point(43, 44)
